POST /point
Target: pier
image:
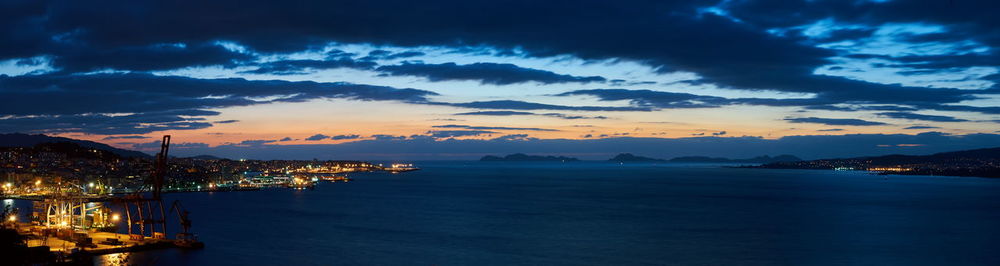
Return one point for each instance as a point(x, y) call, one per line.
point(75, 223)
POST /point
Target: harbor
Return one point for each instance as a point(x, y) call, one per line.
point(74, 218)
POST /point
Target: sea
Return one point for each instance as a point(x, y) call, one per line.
point(590, 213)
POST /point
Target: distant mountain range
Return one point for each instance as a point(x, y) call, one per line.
point(521, 157)
point(628, 157)
point(26, 140)
point(205, 157)
point(631, 158)
point(978, 162)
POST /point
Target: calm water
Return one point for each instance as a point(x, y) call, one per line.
point(474, 213)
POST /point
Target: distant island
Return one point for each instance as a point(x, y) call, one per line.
point(978, 163)
point(628, 157)
point(521, 157)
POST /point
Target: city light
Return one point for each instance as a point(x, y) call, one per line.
point(115, 217)
point(91, 184)
point(38, 182)
point(12, 218)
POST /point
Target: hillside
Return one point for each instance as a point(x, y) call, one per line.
point(26, 140)
point(978, 162)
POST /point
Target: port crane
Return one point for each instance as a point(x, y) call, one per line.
point(185, 238)
point(148, 210)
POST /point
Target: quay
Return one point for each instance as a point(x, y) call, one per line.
point(96, 243)
point(73, 220)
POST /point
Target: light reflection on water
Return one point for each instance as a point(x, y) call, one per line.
point(596, 214)
point(115, 259)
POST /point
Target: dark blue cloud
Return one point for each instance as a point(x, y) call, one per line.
point(132, 93)
point(657, 99)
point(853, 108)
point(438, 134)
point(521, 105)
point(387, 55)
point(226, 121)
point(485, 73)
point(513, 113)
point(285, 139)
point(823, 101)
point(103, 124)
point(387, 137)
point(252, 142)
point(514, 137)
point(921, 117)
point(295, 67)
point(317, 137)
point(343, 137)
point(495, 128)
point(921, 127)
point(831, 130)
point(834, 121)
point(667, 35)
point(64, 103)
point(74, 57)
point(497, 113)
point(125, 137)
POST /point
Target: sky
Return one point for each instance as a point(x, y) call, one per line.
point(419, 80)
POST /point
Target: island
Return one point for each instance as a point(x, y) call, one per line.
point(631, 158)
point(521, 157)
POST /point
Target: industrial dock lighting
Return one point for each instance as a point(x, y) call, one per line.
point(115, 217)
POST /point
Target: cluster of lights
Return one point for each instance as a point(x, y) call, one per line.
point(889, 169)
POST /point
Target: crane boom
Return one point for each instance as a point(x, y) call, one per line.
point(161, 167)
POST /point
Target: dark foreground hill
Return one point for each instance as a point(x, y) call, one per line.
point(26, 140)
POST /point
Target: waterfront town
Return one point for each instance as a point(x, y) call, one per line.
point(972, 163)
point(101, 172)
point(87, 201)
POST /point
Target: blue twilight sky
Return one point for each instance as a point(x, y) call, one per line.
point(459, 79)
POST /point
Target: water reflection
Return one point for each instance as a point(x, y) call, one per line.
point(115, 259)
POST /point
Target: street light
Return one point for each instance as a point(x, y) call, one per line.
point(115, 217)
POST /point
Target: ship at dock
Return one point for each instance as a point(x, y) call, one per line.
point(400, 167)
